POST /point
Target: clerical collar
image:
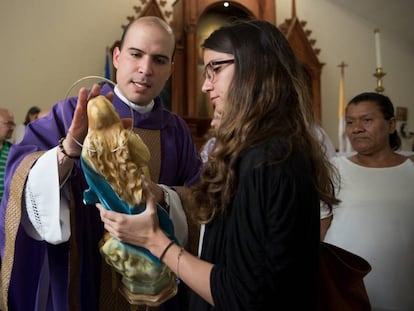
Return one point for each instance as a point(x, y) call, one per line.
point(140, 109)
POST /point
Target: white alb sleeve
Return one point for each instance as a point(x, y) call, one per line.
point(177, 216)
point(47, 204)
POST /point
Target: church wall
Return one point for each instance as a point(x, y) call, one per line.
point(47, 45)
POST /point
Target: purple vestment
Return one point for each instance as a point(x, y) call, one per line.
point(180, 165)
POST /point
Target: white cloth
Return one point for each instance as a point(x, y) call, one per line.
point(325, 211)
point(206, 149)
point(376, 221)
point(177, 215)
point(140, 109)
point(329, 149)
point(19, 133)
point(325, 141)
point(47, 207)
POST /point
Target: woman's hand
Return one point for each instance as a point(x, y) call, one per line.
point(139, 229)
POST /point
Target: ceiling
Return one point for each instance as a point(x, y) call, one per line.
point(392, 16)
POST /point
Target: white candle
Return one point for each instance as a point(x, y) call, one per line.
point(377, 47)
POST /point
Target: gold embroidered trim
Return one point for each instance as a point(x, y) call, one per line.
point(12, 220)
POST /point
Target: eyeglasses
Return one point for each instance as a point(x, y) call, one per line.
point(8, 123)
point(210, 70)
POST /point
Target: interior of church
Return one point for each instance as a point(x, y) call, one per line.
point(269, 191)
point(324, 34)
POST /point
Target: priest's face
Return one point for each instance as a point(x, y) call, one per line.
point(144, 62)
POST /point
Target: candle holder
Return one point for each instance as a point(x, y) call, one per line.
point(379, 74)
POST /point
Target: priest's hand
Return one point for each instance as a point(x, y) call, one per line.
point(79, 126)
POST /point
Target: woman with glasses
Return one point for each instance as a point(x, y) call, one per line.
point(259, 192)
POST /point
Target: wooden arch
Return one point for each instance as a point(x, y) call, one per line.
point(302, 46)
point(184, 17)
point(191, 14)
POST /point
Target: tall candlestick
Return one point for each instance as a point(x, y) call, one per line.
point(379, 74)
point(377, 47)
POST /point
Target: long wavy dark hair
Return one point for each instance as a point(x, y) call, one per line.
point(267, 100)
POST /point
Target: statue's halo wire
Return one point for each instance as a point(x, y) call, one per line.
point(101, 79)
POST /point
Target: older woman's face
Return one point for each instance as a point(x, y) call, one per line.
point(366, 127)
point(218, 77)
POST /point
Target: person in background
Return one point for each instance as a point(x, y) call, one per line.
point(43, 113)
point(56, 230)
point(7, 126)
point(260, 189)
point(375, 218)
point(32, 114)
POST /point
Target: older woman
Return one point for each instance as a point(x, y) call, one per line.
point(375, 218)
